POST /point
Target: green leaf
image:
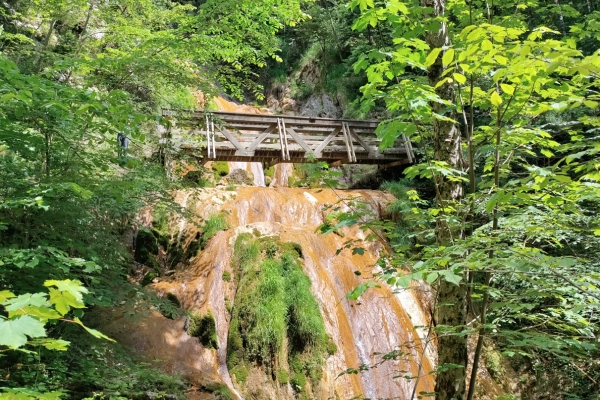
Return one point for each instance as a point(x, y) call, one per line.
point(448, 57)
point(43, 313)
point(591, 104)
point(36, 300)
point(432, 56)
point(358, 250)
point(52, 344)
point(487, 45)
point(74, 287)
point(450, 276)
point(496, 99)
point(14, 332)
point(510, 89)
point(5, 295)
point(64, 301)
point(91, 331)
point(432, 277)
point(460, 78)
point(360, 289)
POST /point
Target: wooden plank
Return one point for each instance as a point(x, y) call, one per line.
point(321, 122)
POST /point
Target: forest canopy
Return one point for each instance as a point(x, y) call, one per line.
point(499, 215)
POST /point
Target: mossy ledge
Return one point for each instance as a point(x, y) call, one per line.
point(204, 328)
point(276, 322)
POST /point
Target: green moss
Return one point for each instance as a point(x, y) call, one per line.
point(331, 347)
point(227, 276)
point(204, 328)
point(240, 372)
point(220, 392)
point(274, 305)
point(270, 172)
point(298, 382)
point(283, 376)
point(214, 224)
point(220, 168)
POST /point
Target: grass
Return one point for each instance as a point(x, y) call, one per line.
point(215, 223)
point(274, 306)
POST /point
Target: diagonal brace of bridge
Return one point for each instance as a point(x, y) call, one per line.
point(272, 139)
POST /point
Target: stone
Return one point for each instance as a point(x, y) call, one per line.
point(241, 177)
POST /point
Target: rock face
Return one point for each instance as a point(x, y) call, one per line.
point(322, 105)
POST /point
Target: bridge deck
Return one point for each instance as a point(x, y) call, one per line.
point(226, 136)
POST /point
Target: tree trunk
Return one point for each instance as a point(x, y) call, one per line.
point(452, 312)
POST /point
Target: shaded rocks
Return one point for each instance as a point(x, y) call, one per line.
point(241, 177)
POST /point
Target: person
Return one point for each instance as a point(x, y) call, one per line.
point(123, 141)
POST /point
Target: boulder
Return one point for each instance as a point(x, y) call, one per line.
point(241, 177)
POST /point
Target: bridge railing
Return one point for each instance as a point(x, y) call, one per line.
point(276, 138)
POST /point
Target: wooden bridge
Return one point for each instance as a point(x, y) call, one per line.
point(272, 139)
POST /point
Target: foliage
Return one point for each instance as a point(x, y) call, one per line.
point(519, 84)
point(24, 320)
point(212, 225)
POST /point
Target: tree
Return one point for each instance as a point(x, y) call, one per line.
point(480, 87)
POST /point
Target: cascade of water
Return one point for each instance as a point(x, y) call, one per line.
point(381, 322)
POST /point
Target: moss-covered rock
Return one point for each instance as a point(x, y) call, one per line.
point(227, 276)
point(276, 320)
point(204, 328)
point(241, 177)
point(282, 376)
point(220, 168)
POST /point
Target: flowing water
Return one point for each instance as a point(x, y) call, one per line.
point(363, 331)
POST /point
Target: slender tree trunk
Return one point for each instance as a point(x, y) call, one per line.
point(452, 310)
point(45, 45)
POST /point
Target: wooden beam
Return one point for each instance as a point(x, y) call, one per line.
point(230, 137)
point(298, 140)
point(359, 140)
point(319, 150)
point(395, 164)
point(262, 137)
